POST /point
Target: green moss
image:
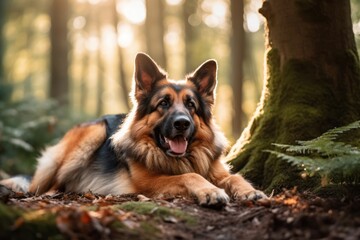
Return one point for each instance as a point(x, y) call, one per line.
point(150, 231)
point(144, 208)
point(34, 224)
point(273, 74)
point(300, 102)
point(255, 167)
point(145, 230)
point(7, 216)
point(338, 191)
point(350, 73)
point(150, 208)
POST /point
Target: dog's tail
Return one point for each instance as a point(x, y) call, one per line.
point(44, 177)
point(48, 164)
point(19, 183)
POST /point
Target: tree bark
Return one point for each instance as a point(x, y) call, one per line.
point(2, 39)
point(237, 72)
point(312, 84)
point(59, 83)
point(154, 28)
point(100, 70)
point(5, 88)
point(191, 33)
point(122, 74)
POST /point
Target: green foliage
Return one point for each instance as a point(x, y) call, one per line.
point(19, 224)
point(25, 128)
point(335, 161)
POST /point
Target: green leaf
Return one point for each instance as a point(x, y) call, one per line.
point(325, 156)
point(19, 143)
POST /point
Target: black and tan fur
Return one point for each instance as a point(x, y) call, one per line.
point(168, 144)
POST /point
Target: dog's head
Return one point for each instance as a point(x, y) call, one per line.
point(175, 109)
point(173, 119)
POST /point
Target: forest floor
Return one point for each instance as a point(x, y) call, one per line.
point(287, 215)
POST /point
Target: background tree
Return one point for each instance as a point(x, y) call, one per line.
point(154, 28)
point(122, 74)
point(100, 70)
point(5, 89)
point(237, 61)
point(59, 82)
point(190, 33)
point(2, 39)
point(312, 84)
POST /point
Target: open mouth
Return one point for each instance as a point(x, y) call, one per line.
point(175, 147)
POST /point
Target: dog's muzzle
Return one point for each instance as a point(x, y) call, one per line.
point(175, 135)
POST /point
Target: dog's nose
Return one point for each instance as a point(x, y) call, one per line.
point(182, 123)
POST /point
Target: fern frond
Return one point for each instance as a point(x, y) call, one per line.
point(305, 163)
point(326, 148)
point(332, 134)
point(325, 156)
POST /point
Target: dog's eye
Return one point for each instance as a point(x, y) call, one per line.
point(164, 104)
point(190, 104)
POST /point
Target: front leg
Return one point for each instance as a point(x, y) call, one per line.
point(235, 185)
point(190, 184)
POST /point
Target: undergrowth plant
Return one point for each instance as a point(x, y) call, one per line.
point(26, 127)
point(336, 161)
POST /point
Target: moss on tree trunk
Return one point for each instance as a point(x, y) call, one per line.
point(312, 84)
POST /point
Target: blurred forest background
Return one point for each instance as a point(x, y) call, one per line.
point(66, 61)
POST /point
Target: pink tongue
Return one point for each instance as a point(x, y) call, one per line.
point(178, 145)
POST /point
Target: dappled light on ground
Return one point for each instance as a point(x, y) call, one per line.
point(286, 215)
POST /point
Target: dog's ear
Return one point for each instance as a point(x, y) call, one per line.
point(205, 80)
point(146, 73)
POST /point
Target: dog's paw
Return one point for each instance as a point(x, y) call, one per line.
point(251, 195)
point(212, 197)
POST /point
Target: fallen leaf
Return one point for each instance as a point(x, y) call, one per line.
point(209, 228)
point(131, 224)
point(85, 218)
point(18, 223)
point(170, 219)
point(89, 195)
point(265, 202)
point(143, 198)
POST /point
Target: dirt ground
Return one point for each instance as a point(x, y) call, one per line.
point(287, 215)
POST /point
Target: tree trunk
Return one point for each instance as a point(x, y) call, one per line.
point(100, 70)
point(59, 83)
point(2, 40)
point(191, 33)
point(5, 87)
point(237, 74)
point(154, 28)
point(122, 74)
point(312, 84)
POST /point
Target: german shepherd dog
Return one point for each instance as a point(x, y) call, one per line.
point(168, 144)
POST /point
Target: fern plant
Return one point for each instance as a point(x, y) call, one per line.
point(335, 161)
point(26, 127)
